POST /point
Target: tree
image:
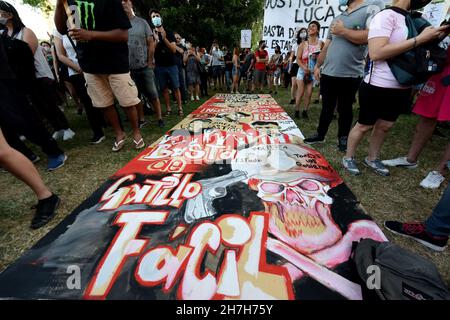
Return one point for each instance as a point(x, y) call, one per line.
point(201, 21)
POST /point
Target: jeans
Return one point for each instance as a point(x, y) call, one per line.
point(439, 222)
point(94, 115)
point(228, 79)
point(204, 83)
point(167, 77)
point(340, 92)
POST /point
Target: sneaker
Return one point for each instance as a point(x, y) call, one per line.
point(377, 167)
point(432, 181)
point(34, 158)
point(142, 123)
point(45, 211)
point(192, 98)
point(58, 134)
point(68, 135)
point(161, 123)
point(305, 114)
point(351, 166)
point(98, 139)
point(297, 114)
point(417, 232)
point(401, 162)
point(197, 98)
point(314, 139)
point(342, 144)
point(56, 162)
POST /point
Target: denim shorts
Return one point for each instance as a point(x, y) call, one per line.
point(167, 77)
point(146, 82)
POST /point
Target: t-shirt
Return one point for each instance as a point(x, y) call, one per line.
point(70, 50)
point(101, 57)
point(216, 56)
point(391, 24)
point(179, 56)
point(261, 66)
point(228, 61)
point(164, 57)
point(344, 58)
point(248, 61)
point(137, 43)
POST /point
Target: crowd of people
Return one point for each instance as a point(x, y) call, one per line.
point(115, 55)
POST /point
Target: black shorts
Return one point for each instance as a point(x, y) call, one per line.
point(378, 103)
point(294, 70)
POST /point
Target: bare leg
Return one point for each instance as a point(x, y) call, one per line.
point(444, 160)
point(157, 107)
point(167, 99)
point(197, 90)
point(354, 139)
point(178, 97)
point(299, 94)
point(113, 119)
point(307, 96)
point(22, 168)
point(140, 111)
point(133, 117)
point(293, 87)
point(191, 91)
point(423, 134)
point(379, 134)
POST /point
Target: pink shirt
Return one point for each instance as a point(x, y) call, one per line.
point(391, 24)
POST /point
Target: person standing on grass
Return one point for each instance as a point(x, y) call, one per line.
point(343, 59)
point(433, 106)
point(381, 97)
point(236, 67)
point(192, 60)
point(17, 164)
point(306, 59)
point(247, 70)
point(434, 232)
point(179, 57)
point(261, 61)
point(103, 56)
point(141, 47)
point(68, 56)
point(216, 65)
point(278, 68)
point(301, 36)
point(205, 59)
point(165, 61)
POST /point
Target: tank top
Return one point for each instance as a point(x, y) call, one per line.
point(40, 62)
point(310, 49)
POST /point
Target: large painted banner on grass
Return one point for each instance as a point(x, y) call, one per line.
point(229, 204)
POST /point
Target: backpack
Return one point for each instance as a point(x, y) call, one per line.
point(403, 274)
point(417, 65)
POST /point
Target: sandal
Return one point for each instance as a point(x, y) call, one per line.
point(139, 144)
point(180, 112)
point(118, 145)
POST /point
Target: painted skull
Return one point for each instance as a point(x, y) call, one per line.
point(295, 196)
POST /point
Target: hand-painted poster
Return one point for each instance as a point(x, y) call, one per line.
point(229, 204)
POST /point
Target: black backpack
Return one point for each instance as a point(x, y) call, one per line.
point(403, 275)
point(417, 65)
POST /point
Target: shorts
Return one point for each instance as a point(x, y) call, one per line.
point(146, 82)
point(294, 70)
point(378, 103)
point(102, 88)
point(167, 76)
point(301, 75)
point(259, 76)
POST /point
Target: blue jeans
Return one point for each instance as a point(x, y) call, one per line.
point(439, 222)
point(228, 78)
point(167, 77)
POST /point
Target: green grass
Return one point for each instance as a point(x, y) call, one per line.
point(396, 197)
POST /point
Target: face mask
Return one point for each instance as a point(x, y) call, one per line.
point(303, 35)
point(157, 21)
point(417, 4)
point(3, 21)
point(343, 2)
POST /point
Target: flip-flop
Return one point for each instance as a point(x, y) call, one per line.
point(139, 144)
point(118, 145)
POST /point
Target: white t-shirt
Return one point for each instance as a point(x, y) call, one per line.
point(216, 55)
point(70, 50)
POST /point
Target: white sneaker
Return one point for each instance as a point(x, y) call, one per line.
point(433, 180)
point(68, 134)
point(401, 162)
point(192, 98)
point(58, 134)
point(197, 98)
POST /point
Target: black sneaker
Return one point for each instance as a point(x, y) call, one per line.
point(98, 139)
point(45, 211)
point(161, 123)
point(292, 101)
point(342, 144)
point(314, 139)
point(305, 114)
point(417, 232)
point(297, 114)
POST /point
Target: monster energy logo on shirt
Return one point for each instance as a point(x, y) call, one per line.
point(84, 10)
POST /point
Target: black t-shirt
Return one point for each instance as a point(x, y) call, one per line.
point(179, 56)
point(164, 57)
point(228, 61)
point(100, 57)
point(5, 70)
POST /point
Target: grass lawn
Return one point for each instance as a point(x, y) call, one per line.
point(396, 197)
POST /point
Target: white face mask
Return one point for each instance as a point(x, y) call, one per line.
point(303, 35)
